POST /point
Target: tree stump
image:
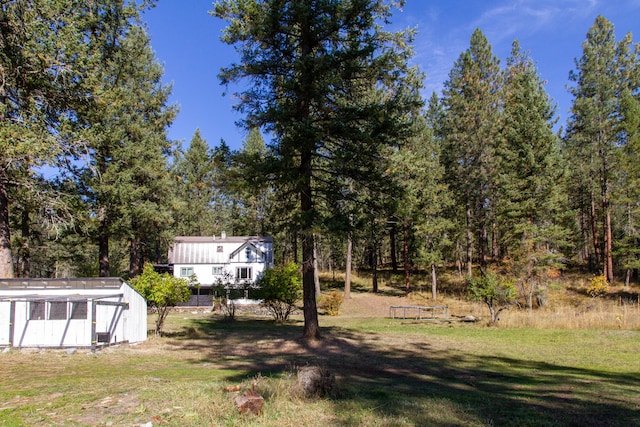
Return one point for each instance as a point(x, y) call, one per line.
point(250, 402)
point(314, 381)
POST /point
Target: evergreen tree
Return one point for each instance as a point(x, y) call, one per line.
point(424, 197)
point(627, 247)
point(124, 175)
point(195, 189)
point(143, 158)
point(329, 85)
point(529, 196)
point(593, 139)
point(472, 105)
point(250, 187)
point(41, 67)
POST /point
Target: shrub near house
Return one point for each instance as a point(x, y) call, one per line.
point(161, 291)
point(280, 288)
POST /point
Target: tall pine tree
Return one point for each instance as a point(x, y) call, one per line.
point(124, 125)
point(530, 173)
point(194, 175)
point(328, 83)
point(42, 45)
point(593, 139)
point(472, 103)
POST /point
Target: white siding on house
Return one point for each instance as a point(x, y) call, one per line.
point(201, 254)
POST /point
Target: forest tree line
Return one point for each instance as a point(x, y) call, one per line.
point(477, 175)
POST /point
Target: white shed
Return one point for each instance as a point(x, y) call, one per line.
point(79, 312)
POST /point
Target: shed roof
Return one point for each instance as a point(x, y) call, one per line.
point(72, 298)
point(69, 283)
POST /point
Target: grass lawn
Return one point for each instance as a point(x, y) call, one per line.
point(390, 372)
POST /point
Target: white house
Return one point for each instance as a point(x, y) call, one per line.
point(226, 261)
point(82, 312)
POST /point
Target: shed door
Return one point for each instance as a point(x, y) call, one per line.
point(5, 322)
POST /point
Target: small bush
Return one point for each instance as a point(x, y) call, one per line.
point(599, 286)
point(228, 308)
point(497, 292)
point(161, 291)
point(331, 303)
point(279, 289)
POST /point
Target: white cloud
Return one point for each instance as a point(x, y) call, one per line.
point(515, 19)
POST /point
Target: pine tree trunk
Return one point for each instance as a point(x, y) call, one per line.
point(483, 244)
point(347, 274)
point(597, 250)
point(608, 245)
point(392, 241)
point(103, 244)
point(310, 310)
point(6, 261)
point(135, 257)
point(469, 242)
point(374, 268)
point(316, 276)
point(406, 258)
point(627, 279)
point(607, 256)
point(434, 283)
point(294, 247)
point(586, 253)
point(25, 252)
point(495, 246)
point(311, 326)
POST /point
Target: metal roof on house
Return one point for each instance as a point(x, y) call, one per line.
point(203, 249)
point(219, 239)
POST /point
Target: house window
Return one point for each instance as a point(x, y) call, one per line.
point(186, 271)
point(79, 310)
point(58, 310)
point(36, 310)
point(247, 252)
point(243, 273)
point(219, 249)
point(217, 270)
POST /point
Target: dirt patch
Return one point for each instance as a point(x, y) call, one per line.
point(109, 409)
point(371, 305)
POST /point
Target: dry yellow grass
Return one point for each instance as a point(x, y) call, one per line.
point(568, 306)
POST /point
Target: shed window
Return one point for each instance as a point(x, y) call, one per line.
point(243, 273)
point(36, 310)
point(58, 310)
point(79, 310)
point(186, 271)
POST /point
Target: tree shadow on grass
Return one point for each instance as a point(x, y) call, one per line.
point(401, 379)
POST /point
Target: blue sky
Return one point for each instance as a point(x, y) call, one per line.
point(186, 40)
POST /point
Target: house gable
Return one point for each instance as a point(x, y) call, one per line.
point(215, 259)
point(252, 248)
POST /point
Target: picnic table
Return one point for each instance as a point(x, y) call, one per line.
point(417, 311)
